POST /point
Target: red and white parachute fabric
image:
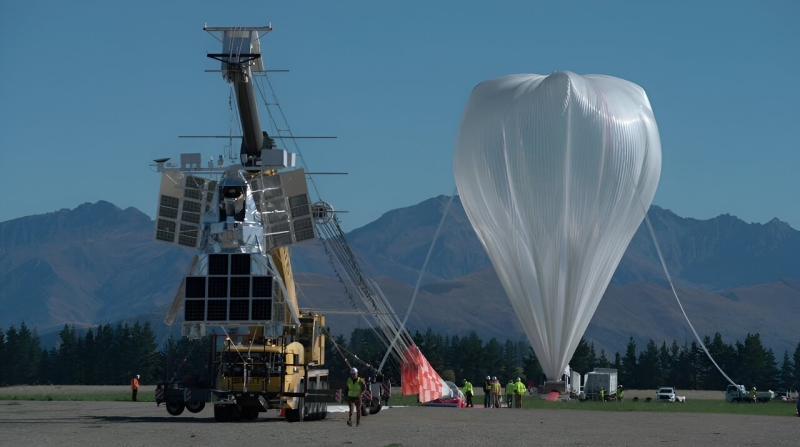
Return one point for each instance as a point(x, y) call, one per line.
point(419, 377)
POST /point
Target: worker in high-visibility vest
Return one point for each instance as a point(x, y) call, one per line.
point(134, 387)
point(487, 392)
point(519, 392)
point(355, 386)
point(495, 392)
point(602, 394)
point(467, 389)
point(620, 393)
point(510, 387)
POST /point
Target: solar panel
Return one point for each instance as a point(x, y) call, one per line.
point(240, 264)
point(217, 310)
point(194, 310)
point(217, 286)
point(240, 287)
point(261, 310)
point(239, 310)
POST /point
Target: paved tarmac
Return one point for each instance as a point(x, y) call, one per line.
point(36, 423)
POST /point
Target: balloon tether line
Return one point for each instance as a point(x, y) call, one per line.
point(419, 279)
point(672, 286)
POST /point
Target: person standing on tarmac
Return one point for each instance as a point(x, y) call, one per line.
point(495, 392)
point(134, 387)
point(355, 386)
point(510, 387)
point(519, 392)
point(487, 392)
point(467, 389)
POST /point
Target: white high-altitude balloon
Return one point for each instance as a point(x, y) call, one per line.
point(554, 173)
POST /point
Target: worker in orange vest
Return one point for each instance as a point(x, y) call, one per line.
point(134, 387)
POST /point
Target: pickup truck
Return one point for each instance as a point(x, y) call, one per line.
point(665, 394)
point(738, 393)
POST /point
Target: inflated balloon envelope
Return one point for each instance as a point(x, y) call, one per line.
point(555, 174)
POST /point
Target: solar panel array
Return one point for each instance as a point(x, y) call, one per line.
point(229, 293)
point(183, 200)
point(283, 202)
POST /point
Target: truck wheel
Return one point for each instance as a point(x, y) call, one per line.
point(298, 414)
point(195, 407)
point(249, 414)
point(364, 410)
point(175, 407)
point(324, 412)
point(226, 413)
point(375, 406)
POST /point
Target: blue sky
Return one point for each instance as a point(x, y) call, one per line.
point(93, 91)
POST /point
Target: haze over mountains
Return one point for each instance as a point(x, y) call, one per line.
point(100, 264)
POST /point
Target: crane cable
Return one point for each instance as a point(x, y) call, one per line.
point(675, 293)
point(335, 243)
point(421, 273)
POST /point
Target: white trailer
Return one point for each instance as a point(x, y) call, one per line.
point(600, 379)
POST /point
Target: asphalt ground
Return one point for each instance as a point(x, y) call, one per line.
point(82, 423)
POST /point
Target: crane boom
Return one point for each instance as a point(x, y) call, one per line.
point(240, 57)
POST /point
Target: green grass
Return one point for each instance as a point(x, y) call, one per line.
point(772, 408)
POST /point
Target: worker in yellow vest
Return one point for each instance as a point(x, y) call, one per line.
point(355, 386)
point(519, 392)
point(510, 387)
point(495, 392)
point(467, 389)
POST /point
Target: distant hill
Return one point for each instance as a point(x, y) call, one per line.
point(99, 263)
point(94, 264)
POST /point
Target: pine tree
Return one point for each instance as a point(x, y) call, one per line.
point(29, 355)
point(796, 358)
point(602, 361)
point(753, 368)
point(787, 372)
point(11, 375)
point(65, 372)
point(4, 360)
point(583, 358)
point(627, 371)
point(772, 374)
point(509, 368)
point(491, 357)
point(532, 369)
point(649, 370)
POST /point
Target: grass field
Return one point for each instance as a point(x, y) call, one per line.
point(692, 405)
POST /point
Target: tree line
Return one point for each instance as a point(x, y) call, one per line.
point(683, 366)
point(108, 355)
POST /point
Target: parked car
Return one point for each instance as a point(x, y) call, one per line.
point(665, 394)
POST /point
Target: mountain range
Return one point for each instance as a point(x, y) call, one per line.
point(100, 264)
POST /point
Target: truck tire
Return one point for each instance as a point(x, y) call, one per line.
point(298, 414)
point(314, 406)
point(324, 413)
point(249, 414)
point(175, 407)
point(375, 406)
point(226, 413)
point(195, 407)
